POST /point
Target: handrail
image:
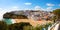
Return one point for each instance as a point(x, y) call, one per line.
point(54, 25)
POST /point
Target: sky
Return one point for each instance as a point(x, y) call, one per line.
point(13, 5)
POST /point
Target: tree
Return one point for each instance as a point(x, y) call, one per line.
point(54, 19)
point(57, 13)
point(3, 25)
point(18, 26)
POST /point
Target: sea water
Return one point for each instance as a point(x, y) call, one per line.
point(8, 21)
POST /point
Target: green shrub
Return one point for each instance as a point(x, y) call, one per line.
point(27, 28)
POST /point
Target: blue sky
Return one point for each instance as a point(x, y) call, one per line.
point(29, 4)
point(12, 5)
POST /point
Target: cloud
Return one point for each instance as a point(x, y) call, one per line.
point(37, 8)
point(27, 9)
point(49, 9)
point(44, 9)
point(49, 4)
point(14, 8)
point(3, 11)
point(59, 5)
point(28, 3)
point(0, 8)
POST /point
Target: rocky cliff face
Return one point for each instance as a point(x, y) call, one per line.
point(15, 15)
point(18, 14)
